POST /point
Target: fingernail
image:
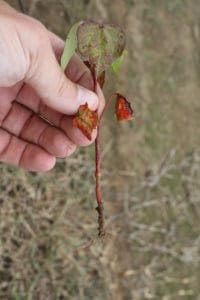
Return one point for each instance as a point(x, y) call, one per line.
point(85, 95)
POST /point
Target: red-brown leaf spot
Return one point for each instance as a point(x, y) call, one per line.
point(123, 109)
point(86, 120)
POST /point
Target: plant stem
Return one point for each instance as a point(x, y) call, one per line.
point(100, 207)
point(107, 104)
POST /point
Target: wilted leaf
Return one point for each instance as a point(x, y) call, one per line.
point(70, 45)
point(116, 65)
point(86, 120)
point(123, 109)
point(100, 44)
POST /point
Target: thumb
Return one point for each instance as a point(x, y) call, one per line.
point(52, 86)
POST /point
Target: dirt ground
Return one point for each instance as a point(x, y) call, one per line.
point(150, 177)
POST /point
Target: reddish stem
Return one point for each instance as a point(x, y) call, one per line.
point(107, 104)
point(100, 207)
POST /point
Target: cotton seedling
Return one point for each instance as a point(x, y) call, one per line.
point(100, 46)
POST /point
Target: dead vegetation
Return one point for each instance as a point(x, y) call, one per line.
point(151, 175)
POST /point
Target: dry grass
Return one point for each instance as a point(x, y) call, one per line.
point(48, 244)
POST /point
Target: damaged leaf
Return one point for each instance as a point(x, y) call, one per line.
point(123, 109)
point(86, 120)
point(100, 44)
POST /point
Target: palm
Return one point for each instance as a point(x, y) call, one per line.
point(32, 134)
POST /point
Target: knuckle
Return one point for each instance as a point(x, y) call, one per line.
point(38, 43)
point(33, 30)
point(38, 34)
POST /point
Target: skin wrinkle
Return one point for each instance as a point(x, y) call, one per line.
point(25, 94)
point(31, 152)
point(26, 125)
point(6, 146)
point(6, 115)
point(7, 154)
point(23, 114)
point(42, 136)
point(68, 147)
point(10, 101)
point(51, 116)
point(22, 155)
point(17, 155)
point(3, 116)
point(33, 129)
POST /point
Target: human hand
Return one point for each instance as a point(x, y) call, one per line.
point(36, 98)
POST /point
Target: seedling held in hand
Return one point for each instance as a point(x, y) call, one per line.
point(100, 46)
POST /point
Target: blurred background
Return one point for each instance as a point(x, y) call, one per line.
point(49, 248)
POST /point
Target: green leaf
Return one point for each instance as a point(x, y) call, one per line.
point(100, 44)
point(116, 65)
point(70, 45)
